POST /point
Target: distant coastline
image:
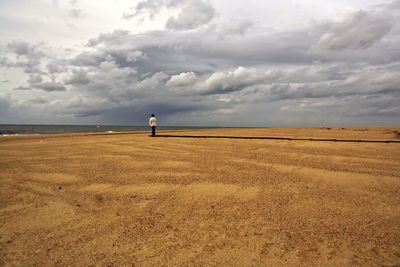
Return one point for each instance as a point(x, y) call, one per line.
point(29, 129)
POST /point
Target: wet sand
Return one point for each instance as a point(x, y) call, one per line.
point(122, 199)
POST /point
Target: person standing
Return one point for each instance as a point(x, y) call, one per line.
point(153, 124)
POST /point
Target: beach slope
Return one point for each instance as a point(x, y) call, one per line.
point(122, 199)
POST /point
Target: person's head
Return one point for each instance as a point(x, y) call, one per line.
point(152, 115)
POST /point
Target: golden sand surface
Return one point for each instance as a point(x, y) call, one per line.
point(339, 133)
point(129, 199)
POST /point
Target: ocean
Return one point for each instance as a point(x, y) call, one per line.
point(25, 129)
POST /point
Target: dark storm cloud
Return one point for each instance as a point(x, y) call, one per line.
point(89, 113)
point(139, 112)
point(262, 67)
point(4, 106)
point(178, 52)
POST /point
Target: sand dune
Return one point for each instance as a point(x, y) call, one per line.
point(112, 199)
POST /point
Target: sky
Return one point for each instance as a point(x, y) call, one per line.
point(242, 63)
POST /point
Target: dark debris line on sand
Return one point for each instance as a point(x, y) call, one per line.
point(283, 138)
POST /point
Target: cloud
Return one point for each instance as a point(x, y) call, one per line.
point(38, 100)
point(76, 13)
point(182, 79)
point(89, 113)
point(275, 67)
point(136, 55)
point(360, 30)
point(92, 58)
point(234, 27)
point(395, 5)
point(193, 14)
point(188, 73)
point(4, 106)
point(54, 67)
point(35, 78)
point(364, 84)
point(20, 48)
point(356, 110)
point(28, 56)
point(151, 7)
point(226, 82)
point(188, 51)
point(140, 112)
point(50, 86)
point(4, 62)
point(116, 37)
point(78, 77)
point(22, 88)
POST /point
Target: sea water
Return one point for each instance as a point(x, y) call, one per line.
point(23, 129)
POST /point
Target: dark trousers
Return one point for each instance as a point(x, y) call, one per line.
point(153, 130)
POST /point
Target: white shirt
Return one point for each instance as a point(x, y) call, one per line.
point(153, 121)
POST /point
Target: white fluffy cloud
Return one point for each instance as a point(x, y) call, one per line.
point(194, 13)
point(182, 79)
point(225, 82)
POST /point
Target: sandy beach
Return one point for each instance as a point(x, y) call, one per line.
point(130, 199)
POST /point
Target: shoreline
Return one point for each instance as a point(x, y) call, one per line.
point(22, 129)
point(380, 134)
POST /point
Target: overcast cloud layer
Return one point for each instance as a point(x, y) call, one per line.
point(199, 62)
